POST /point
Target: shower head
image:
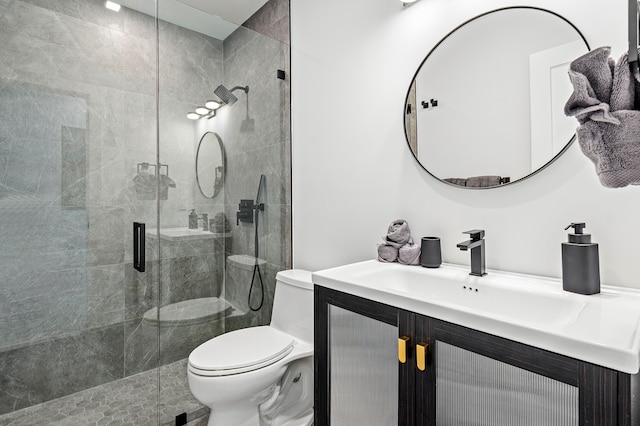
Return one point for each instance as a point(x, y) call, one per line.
point(226, 95)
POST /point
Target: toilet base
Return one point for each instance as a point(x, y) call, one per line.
point(245, 414)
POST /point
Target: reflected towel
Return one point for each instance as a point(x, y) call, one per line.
point(164, 183)
point(409, 254)
point(221, 223)
point(457, 181)
point(145, 186)
point(399, 233)
point(387, 253)
point(483, 181)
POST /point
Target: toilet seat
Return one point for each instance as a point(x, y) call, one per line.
point(240, 351)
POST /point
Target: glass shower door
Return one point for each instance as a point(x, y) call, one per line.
point(77, 113)
point(208, 165)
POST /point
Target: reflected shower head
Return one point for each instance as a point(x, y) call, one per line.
point(226, 95)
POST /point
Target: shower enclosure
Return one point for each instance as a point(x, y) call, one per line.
point(94, 136)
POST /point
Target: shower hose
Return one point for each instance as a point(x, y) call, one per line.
point(256, 270)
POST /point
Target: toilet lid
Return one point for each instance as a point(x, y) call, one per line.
point(241, 349)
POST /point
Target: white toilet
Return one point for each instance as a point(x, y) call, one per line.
point(261, 375)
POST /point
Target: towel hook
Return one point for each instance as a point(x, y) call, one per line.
point(634, 22)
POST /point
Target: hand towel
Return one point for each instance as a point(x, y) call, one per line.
point(609, 131)
point(583, 103)
point(387, 253)
point(409, 254)
point(614, 149)
point(597, 66)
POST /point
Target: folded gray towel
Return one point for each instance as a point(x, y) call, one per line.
point(409, 254)
point(387, 253)
point(483, 181)
point(399, 233)
point(603, 100)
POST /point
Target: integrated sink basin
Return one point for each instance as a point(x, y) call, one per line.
point(601, 328)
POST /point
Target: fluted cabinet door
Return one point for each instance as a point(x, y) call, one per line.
point(478, 390)
point(364, 372)
point(359, 378)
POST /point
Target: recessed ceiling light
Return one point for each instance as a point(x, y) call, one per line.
point(113, 6)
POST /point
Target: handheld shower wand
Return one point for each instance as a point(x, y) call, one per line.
point(258, 206)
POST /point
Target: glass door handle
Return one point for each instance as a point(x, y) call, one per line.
point(138, 246)
point(403, 344)
point(421, 355)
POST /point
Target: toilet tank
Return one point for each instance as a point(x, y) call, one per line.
point(293, 304)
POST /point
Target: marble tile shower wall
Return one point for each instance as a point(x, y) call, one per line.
point(264, 146)
point(77, 114)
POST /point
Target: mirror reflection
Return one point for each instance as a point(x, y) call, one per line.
point(485, 108)
point(210, 165)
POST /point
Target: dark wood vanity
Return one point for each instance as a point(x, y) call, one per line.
point(450, 373)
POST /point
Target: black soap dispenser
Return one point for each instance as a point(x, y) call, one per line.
point(580, 263)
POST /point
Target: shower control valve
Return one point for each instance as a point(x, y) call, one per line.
point(245, 212)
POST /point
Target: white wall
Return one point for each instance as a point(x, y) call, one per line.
point(352, 62)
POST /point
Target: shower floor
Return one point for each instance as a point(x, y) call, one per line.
point(131, 401)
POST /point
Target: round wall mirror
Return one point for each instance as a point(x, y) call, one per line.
point(486, 106)
point(210, 165)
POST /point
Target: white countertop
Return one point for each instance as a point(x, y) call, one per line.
point(601, 329)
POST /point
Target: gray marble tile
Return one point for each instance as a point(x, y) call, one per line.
point(140, 347)
point(92, 11)
point(271, 20)
point(140, 290)
point(188, 77)
point(52, 304)
point(73, 180)
point(140, 65)
point(105, 231)
point(177, 39)
point(51, 369)
point(4, 4)
point(138, 24)
point(245, 169)
point(105, 295)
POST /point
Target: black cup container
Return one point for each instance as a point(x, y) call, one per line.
point(430, 254)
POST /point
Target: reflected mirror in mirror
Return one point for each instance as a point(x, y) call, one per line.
point(210, 165)
point(486, 106)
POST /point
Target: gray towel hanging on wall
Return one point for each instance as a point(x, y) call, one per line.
point(605, 103)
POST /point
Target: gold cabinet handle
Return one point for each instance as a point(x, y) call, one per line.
point(421, 355)
point(403, 343)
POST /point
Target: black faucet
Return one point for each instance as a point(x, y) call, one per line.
point(476, 245)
